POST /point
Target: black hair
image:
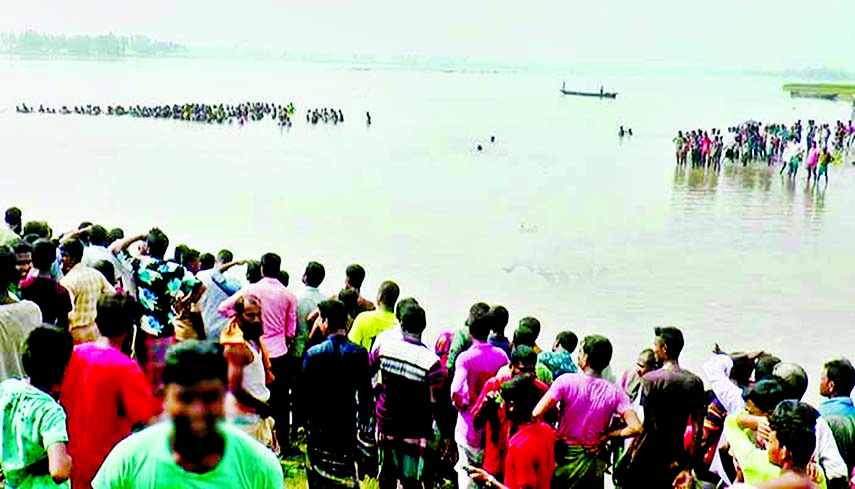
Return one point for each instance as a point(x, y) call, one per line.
point(350, 298)
point(72, 248)
point(500, 319)
point(157, 243)
point(189, 258)
point(253, 271)
point(765, 395)
point(480, 328)
point(283, 278)
point(206, 261)
point(114, 235)
point(672, 338)
point(335, 313)
point(98, 235)
point(842, 374)
point(8, 273)
point(116, 314)
point(523, 336)
point(355, 275)
point(765, 366)
point(225, 256)
point(107, 270)
point(413, 319)
point(532, 324)
point(193, 361)
point(567, 340)
point(523, 393)
point(271, 263)
point(314, 274)
point(46, 353)
point(22, 246)
point(402, 305)
point(793, 378)
point(794, 424)
point(598, 349)
point(477, 310)
point(742, 369)
point(39, 228)
point(388, 294)
point(13, 217)
point(180, 251)
point(44, 254)
point(523, 355)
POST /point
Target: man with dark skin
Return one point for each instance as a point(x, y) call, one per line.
point(248, 372)
point(673, 400)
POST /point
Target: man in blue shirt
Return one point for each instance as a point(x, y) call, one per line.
point(836, 383)
point(337, 373)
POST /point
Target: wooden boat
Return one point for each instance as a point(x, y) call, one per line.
point(599, 94)
point(823, 96)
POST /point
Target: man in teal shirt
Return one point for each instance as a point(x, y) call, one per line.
point(193, 447)
point(836, 383)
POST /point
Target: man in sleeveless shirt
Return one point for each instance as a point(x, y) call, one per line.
point(248, 371)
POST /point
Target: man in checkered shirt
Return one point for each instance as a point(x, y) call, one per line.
point(85, 285)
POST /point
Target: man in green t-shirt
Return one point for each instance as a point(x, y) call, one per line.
point(33, 433)
point(194, 447)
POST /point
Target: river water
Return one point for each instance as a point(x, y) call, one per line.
point(559, 218)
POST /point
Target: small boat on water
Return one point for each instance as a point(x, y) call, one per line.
point(822, 96)
point(600, 94)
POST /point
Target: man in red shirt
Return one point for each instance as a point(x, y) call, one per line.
point(487, 413)
point(530, 461)
point(104, 392)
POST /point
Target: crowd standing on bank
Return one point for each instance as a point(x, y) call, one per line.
point(122, 367)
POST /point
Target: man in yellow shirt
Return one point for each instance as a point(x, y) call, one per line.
point(368, 325)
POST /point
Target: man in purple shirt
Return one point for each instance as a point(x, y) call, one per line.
point(587, 403)
point(409, 402)
point(473, 369)
point(279, 323)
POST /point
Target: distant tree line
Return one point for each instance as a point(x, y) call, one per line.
point(109, 45)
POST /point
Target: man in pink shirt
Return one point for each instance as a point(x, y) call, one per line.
point(104, 392)
point(279, 324)
point(473, 369)
point(587, 402)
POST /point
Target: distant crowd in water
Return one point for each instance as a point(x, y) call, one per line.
point(817, 145)
point(326, 115)
point(191, 112)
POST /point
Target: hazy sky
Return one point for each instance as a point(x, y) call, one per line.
point(732, 33)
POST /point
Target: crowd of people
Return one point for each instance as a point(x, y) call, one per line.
point(325, 115)
point(191, 112)
point(121, 367)
point(788, 145)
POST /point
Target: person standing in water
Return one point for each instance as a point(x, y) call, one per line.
point(824, 160)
